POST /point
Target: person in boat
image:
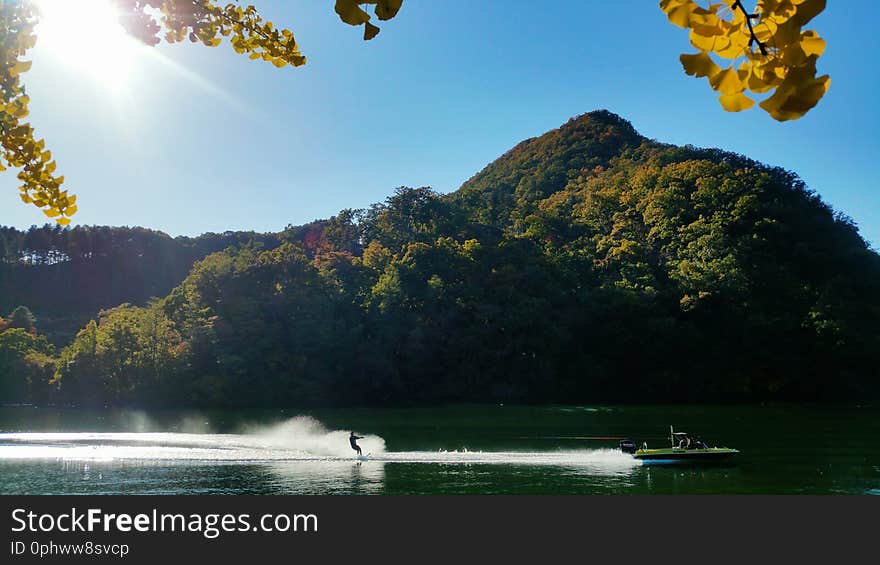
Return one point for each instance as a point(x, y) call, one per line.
point(352, 439)
point(686, 442)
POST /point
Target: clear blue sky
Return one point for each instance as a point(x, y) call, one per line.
point(208, 140)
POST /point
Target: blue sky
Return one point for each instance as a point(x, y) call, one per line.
point(199, 139)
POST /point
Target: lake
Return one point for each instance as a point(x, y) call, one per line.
point(493, 449)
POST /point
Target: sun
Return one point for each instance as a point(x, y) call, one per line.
point(86, 36)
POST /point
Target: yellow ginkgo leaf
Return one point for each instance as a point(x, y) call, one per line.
point(807, 10)
point(727, 82)
point(678, 11)
point(370, 31)
point(787, 33)
point(793, 55)
point(387, 9)
point(699, 65)
point(705, 16)
point(757, 84)
point(799, 92)
point(708, 42)
point(736, 102)
point(812, 44)
point(784, 10)
point(351, 13)
point(736, 44)
point(19, 67)
point(792, 103)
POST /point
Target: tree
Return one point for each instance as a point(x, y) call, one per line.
point(411, 214)
point(200, 21)
point(22, 318)
point(775, 53)
point(125, 356)
point(25, 365)
point(342, 231)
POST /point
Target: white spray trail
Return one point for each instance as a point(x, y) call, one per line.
point(306, 435)
point(299, 440)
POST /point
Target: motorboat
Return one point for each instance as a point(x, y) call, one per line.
point(684, 448)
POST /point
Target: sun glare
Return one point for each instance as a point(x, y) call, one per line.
point(86, 36)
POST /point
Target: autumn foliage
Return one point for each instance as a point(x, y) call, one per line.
point(765, 51)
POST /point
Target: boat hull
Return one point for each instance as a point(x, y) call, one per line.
point(682, 456)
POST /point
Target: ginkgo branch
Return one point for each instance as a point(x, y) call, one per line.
point(749, 18)
point(219, 13)
point(16, 150)
point(789, 75)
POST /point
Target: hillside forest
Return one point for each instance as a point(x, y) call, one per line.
point(588, 264)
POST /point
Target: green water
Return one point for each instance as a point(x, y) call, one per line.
point(445, 450)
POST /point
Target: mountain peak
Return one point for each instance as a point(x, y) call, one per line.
point(601, 117)
point(543, 165)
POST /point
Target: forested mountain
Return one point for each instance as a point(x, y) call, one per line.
point(588, 264)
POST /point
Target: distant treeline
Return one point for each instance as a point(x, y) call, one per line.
point(589, 264)
point(66, 276)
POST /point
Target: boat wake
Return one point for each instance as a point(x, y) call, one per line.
point(299, 439)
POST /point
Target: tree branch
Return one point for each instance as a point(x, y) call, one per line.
point(749, 17)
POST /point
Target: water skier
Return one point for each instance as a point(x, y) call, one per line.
point(352, 439)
